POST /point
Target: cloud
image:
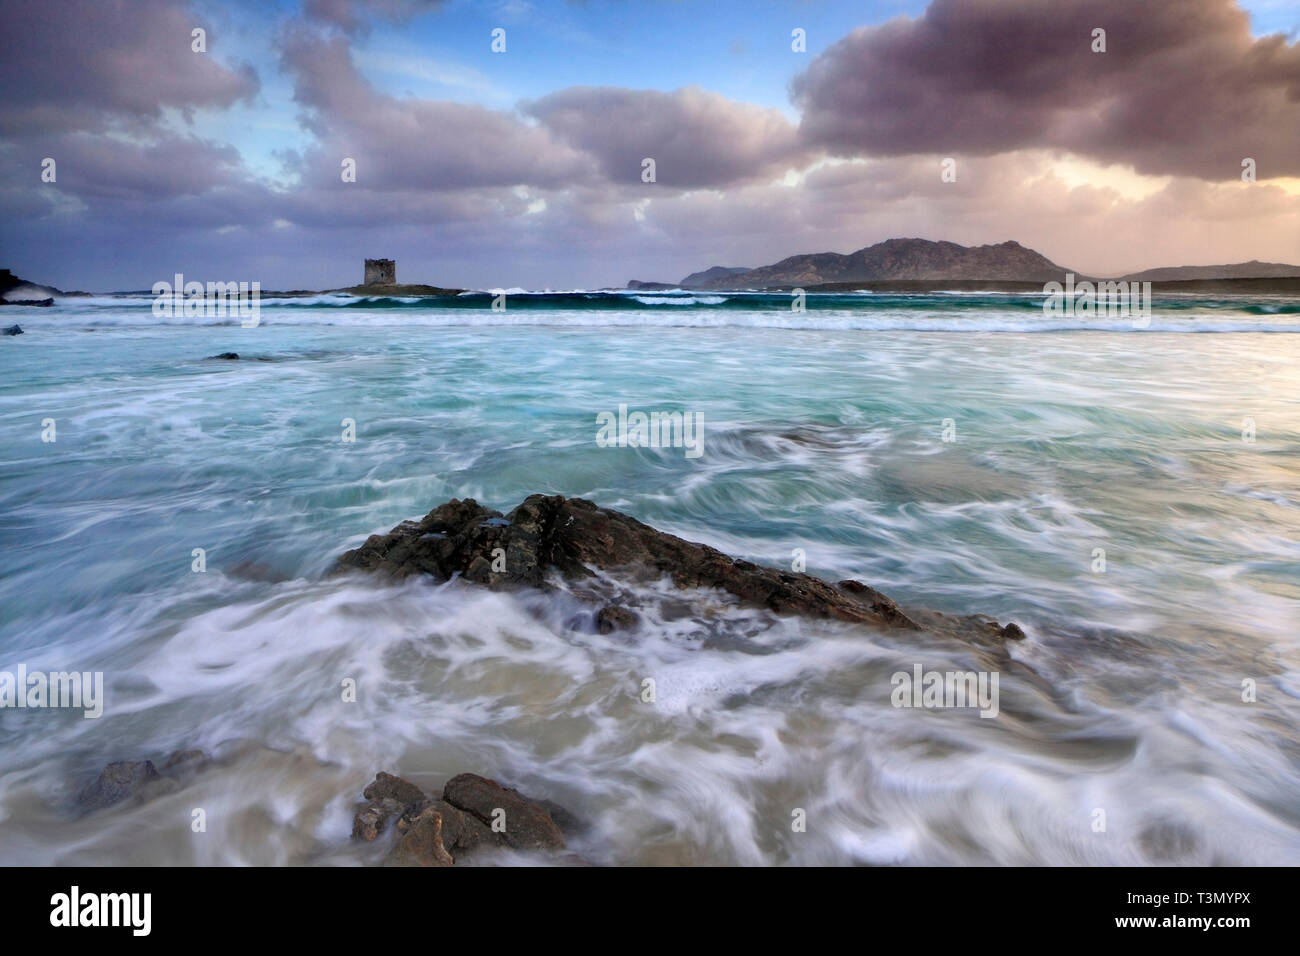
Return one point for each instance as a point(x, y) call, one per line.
point(844, 205)
point(413, 144)
point(697, 138)
point(1183, 88)
point(101, 167)
point(90, 85)
point(92, 66)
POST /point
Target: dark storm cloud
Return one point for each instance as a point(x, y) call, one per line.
point(697, 138)
point(89, 66)
point(1183, 88)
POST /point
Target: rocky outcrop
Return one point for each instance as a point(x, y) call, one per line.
point(16, 291)
point(550, 536)
point(707, 278)
point(473, 812)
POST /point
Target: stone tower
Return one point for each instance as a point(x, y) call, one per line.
point(381, 272)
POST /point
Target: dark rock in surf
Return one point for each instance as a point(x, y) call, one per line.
point(256, 571)
point(186, 762)
point(612, 617)
point(140, 779)
point(117, 782)
point(388, 787)
point(547, 535)
point(527, 824)
point(13, 330)
point(371, 820)
point(424, 841)
point(433, 832)
point(226, 356)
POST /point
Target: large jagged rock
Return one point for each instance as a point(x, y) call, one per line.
point(432, 832)
point(552, 534)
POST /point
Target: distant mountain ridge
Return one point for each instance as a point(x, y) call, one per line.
point(901, 259)
point(925, 260)
point(1254, 269)
point(893, 259)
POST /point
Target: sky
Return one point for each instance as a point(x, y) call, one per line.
point(525, 166)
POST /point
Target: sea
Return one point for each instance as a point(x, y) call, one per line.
point(1127, 492)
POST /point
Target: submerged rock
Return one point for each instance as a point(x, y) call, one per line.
point(612, 617)
point(137, 779)
point(186, 763)
point(431, 831)
point(227, 356)
point(546, 535)
point(118, 781)
point(13, 330)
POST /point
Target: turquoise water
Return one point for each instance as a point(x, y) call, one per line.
point(823, 432)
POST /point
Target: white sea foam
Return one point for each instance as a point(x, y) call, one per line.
point(658, 312)
point(736, 740)
point(680, 300)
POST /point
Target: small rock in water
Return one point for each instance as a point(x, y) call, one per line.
point(528, 826)
point(423, 842)
point(117, 782)
point(388, 787)
point(429, 831)
point(13, 330)
point(134, 779)
point(256, 571)
point(187, 762)
point(371, 821)
point(229, 356)
point(612, 617)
